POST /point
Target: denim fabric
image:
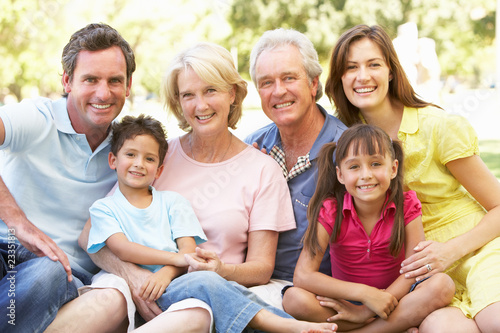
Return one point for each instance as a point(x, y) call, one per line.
point(233, 305)
point(32, 290)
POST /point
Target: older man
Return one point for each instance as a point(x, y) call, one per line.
point(54, 167)
point(285, 69)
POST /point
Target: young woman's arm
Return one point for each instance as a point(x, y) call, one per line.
point(308, 277)
point(143, 255)
point(474, 175)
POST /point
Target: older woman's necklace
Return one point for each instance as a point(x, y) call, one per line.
point(225, 153)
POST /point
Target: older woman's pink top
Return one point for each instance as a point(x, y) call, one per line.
point(243, 194)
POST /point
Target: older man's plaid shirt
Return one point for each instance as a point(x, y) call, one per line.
point(303, 163)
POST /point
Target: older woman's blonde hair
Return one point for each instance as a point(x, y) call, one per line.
point(214, 65)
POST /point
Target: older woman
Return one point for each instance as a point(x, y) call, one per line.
point(460, 196)
point(239, 196)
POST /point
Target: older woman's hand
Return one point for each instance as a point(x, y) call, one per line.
point(204, 260)
point(430, 258)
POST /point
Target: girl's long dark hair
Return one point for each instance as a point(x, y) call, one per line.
point(362, 139)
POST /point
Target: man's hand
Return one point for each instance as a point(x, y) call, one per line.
point(37, 242)
point(256, 146)
point(32, 238)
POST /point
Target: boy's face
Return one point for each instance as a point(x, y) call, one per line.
point(137, 162)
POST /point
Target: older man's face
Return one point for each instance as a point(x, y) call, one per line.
point(285, 92)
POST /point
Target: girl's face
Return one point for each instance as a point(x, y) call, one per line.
point(137, 162)
point(366, 77)
point(367, 177)
point(205, 107)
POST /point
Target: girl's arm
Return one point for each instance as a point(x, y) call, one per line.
point(308, 277)
point(414, 233)
point(257, 268)
point(474, 175)
point(142, 255)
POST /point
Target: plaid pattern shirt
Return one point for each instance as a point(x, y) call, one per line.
point(303, 163)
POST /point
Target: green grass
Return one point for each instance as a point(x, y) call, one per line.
point(490, 153)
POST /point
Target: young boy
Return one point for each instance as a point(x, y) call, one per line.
point(137, 223)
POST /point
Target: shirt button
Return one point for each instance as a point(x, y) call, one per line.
point(368, 250)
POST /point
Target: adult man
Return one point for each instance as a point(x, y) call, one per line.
point(54, 167)
point(285, 69)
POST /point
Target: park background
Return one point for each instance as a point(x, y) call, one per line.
point(33, 33)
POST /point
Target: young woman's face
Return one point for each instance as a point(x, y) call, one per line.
point(366, 77)
point(367, 177)
point(137, 162)
point(205, 107)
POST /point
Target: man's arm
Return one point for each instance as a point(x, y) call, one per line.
point(134, 275)
point(26, 232)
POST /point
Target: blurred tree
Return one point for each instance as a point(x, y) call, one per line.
point(461, 28)
point(29, 46)
point(33, 32)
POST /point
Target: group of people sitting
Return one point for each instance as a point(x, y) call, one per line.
point(382, 218)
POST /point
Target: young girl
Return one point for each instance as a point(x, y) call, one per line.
point(360, 210)
point(460, 196)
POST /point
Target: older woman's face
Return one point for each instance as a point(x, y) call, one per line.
point(205, 106)
point(366, 77)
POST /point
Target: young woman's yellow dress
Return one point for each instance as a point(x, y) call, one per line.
point(431, 138)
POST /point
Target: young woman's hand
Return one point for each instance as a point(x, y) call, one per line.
point(155, 286)
point(430, 258)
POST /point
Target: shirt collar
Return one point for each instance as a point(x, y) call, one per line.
point(63, 123)
point(329, 133)
point(61, 117)
point(409, 123)
point(349, 208)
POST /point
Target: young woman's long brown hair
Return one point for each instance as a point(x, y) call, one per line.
point(362, 139)
point(399, 87)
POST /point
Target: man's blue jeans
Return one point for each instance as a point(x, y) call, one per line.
point(32, 289)
point(233, 305)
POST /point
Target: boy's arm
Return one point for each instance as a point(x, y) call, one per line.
point(142, 255)
point(186, 245)
point(134, 275)
point(155, 285)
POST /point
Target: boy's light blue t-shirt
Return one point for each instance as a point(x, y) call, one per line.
point(170, 216)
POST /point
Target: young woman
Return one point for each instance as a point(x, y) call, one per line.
point(359, 209)
point(460, 196)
